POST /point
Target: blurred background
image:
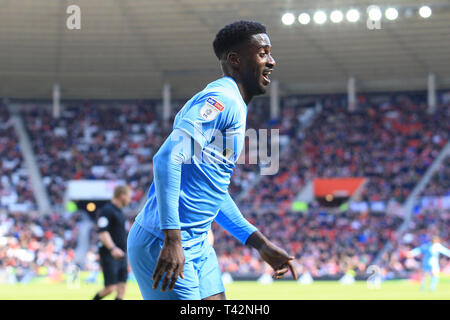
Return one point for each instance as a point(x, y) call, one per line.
point(360, 94)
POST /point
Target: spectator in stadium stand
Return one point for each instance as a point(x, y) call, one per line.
point(113, 237)
point(325, 243)
point(15, 187)
point(36, 246)
point(372, 142)
point(391, 143)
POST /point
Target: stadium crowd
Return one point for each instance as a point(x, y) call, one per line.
point(15, 189)
point(428, 222)
point(391, 142)
point(325, 243)
point(440, 182)
point(106, 141)
point(94, 141)
point(33, 246)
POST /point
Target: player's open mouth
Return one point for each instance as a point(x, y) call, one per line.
point(266, 74)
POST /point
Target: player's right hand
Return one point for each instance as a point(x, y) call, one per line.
point(117, 253)
point(278, 259)
point(171, 263)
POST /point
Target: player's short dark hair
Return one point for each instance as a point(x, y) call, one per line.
point(234, 34)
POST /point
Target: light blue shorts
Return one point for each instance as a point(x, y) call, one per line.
point(430, 268)
point(202, 276)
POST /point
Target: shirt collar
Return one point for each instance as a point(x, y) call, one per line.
point(233, 82)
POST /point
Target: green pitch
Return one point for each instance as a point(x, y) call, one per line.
point(282, 290)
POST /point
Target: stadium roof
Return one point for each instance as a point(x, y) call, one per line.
point(130, 48)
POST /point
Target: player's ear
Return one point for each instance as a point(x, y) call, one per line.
point(233, 59)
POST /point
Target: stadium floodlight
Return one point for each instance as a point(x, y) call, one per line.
point(336, 16)
point(288, 19)
point(391, 14)
point(304, 18)
point(374, 13)
point(91, 207)
point(352, 15)
point(320, 17)
point(425, 12)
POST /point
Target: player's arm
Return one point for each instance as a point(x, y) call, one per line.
point(103, 222)
point(276, 257)
point(231, 219)
point(167, 164)
point(415, 252)
point(444, 250)
point(105, 238)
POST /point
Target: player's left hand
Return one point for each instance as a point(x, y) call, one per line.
point(278, 259)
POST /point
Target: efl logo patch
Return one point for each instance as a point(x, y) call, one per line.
point(215, 103)
point(211, 109)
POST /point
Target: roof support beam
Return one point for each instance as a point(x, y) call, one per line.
point(351, 93)
point(56, 101)
point(431, 86)
point(167, 106)
point(274, 100)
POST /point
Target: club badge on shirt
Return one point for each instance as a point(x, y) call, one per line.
point(211, 109)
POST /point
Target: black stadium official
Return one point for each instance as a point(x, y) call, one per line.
point(113, 238)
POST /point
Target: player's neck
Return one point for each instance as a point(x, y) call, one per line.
point(244, 94)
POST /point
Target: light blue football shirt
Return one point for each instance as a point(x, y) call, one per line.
point(431, 252)
point(215, 117)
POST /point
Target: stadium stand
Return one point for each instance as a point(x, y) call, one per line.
point(440, 183)
point(94, 141)
point(15, 188)
point(391, 140)
point(325, 244)
point(426, 223)
point(36, 246)
point(391, 143)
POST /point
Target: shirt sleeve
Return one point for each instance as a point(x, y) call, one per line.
point(443, 250)
point(416, 251)
point(104, 220)
point(167, 176)
point(231, 219)
point(209, 113)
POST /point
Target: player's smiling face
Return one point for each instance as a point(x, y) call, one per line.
point(258, 65)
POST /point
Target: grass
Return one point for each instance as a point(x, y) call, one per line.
point(245, 290)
